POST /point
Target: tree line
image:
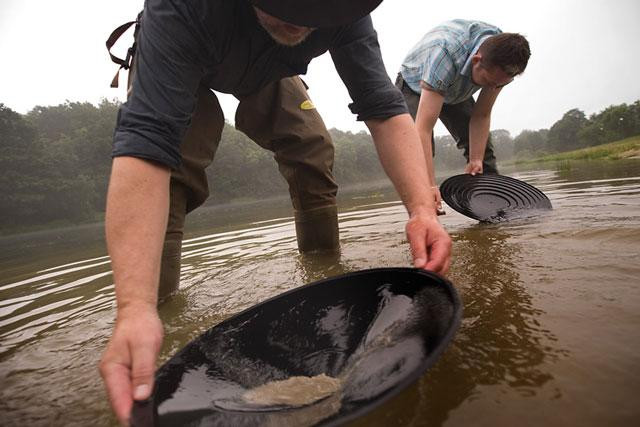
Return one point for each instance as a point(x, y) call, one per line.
point(573, 131)
point(56, 160)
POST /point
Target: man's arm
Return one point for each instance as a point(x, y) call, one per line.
point(428, 111)
point(426, 117)
point(136, 221)
point(169, 65)
point(401, 154)
point(479, 126)
point(376, 101)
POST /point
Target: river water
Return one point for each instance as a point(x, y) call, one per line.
point(550, 333)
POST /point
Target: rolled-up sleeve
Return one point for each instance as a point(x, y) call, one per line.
point(357, 58)
point(168, 69)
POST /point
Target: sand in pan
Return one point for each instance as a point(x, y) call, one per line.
point(294, 391)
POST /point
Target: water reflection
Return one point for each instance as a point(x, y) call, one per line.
point(533, 292)
point(578, 171)
point(52, 299)
point(500, 340)
point(321, 264)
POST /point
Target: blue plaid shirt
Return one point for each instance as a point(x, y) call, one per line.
point(442, 59)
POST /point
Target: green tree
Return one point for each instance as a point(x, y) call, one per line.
point(356, 159)
point(611, 124)
point(19, 185)
point(563, 135)
point(504, 147)
point(76, 139)
point(242, 169)
point(56, 160)
point(448, 157)
point(530, 143)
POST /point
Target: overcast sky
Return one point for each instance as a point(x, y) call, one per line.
point(585, 54)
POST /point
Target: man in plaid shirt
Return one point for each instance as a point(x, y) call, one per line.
point(442, 72)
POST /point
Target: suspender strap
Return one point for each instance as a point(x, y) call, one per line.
point(126, 62)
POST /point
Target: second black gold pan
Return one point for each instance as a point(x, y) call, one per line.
point(493, 198)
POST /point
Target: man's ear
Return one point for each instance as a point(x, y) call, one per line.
point(475, 59)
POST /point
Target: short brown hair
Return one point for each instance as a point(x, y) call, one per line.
point(509, 51)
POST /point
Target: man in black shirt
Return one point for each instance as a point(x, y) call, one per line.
point(168, 130)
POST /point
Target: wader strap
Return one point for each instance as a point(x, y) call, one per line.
point(126, 62)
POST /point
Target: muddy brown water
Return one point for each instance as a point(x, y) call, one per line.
point(551, 327)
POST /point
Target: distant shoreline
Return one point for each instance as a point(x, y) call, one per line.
point(624, 149)
point(95, 228)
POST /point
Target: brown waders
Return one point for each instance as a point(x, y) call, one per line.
point(281, 118)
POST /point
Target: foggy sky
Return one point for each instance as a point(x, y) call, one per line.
point(584, 54)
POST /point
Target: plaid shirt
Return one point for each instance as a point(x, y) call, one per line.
point(442, 59)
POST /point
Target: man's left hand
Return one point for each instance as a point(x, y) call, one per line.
point(473, 167)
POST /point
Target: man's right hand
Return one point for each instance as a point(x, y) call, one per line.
point(430, 243)
point(129, 361)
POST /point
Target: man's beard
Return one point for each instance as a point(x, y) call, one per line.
point(287, 39)
point(283, 33)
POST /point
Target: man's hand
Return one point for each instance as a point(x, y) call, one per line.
point(438, 200)
point(135, 222)
point(129, 361)
point(430, 243)
point(473, 167)
point(401, 154)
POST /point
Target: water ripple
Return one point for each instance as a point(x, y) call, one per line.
point(542, 297)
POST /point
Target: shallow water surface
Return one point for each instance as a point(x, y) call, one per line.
point(550, 333)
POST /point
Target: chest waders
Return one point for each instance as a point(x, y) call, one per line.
point(279, 117)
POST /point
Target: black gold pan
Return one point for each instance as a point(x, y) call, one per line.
point(492, 197)
point(371, 333)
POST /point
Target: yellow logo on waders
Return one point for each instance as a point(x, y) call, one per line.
point(307, 105)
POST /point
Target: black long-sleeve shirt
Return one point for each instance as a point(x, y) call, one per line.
point(220, 44)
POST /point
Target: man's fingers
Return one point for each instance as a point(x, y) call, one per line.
point(430, 244)
point(117, 381)
point(473, 168)
point(143, 367)
point(445, 268)
point(128, 363)
point(439, 209)
point(438, 266)
point(439, 256)
point(415, 235)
